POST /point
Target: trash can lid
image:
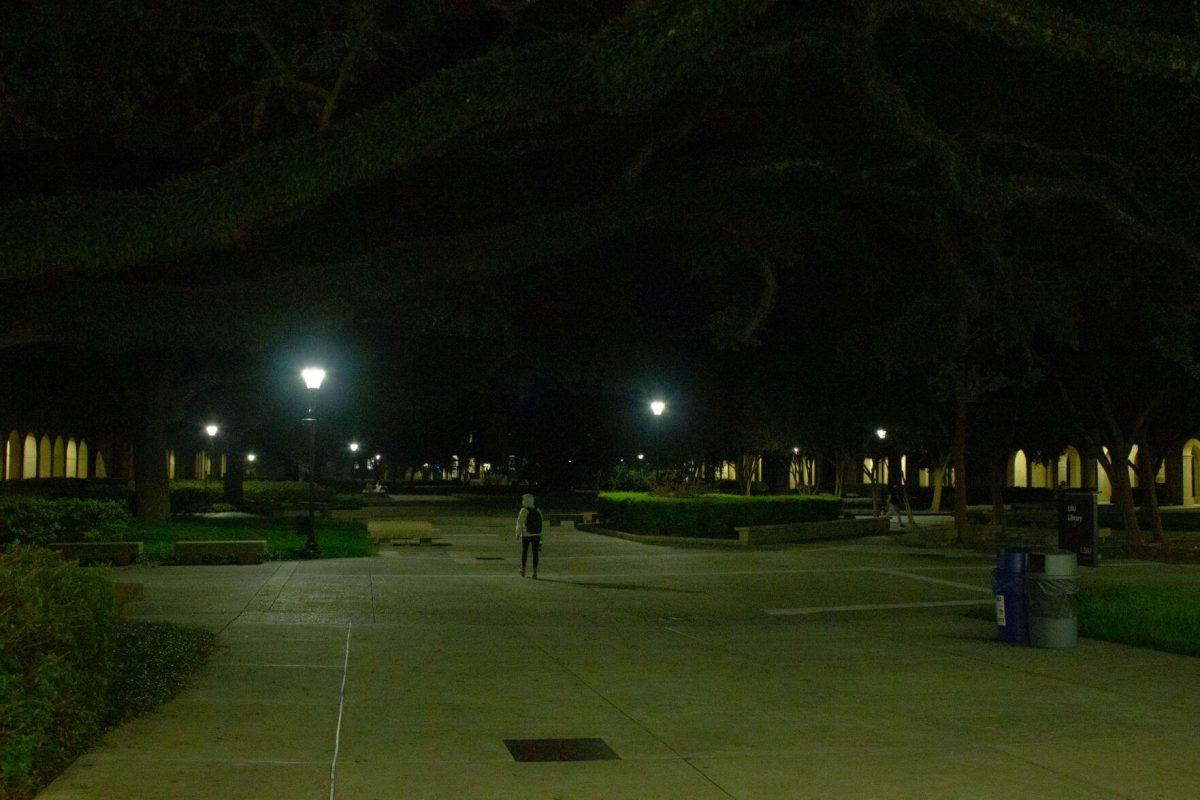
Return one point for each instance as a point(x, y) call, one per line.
point(1061, 564)
point(1013, 559)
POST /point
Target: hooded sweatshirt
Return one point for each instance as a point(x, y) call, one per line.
point(526, 504)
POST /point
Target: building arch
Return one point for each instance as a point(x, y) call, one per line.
point(72, 460)
point(58, 463)
point(82, 466)
point(171, 465)
point(12, 456)
point(1191, 472)
point(29, 468)
point(1019, 469)
point(1070, 468)
point(101, 465)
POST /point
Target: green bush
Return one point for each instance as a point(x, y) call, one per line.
point(69, 667)
point(57, 632)
point(711, 515)
point(32, 520)
point(258, 497)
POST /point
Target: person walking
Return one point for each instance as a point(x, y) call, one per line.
point(529, 531)
point(892, 509)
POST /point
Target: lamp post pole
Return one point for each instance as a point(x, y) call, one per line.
point(206, 465)
point(657, 407)
point(313, 376)
point(354, 466)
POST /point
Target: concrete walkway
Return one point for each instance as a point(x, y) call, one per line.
point(815, 671)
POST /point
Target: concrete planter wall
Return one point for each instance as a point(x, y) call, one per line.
point(812, 531)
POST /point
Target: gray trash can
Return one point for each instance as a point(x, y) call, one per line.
point(1051, 586)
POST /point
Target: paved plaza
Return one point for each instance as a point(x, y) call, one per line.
point(839, 670)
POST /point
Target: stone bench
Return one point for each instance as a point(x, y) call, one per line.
point(582, 518)
point(118, 553)
point(243, 551)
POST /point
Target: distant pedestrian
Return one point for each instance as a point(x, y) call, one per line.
point(892, 509)
point(529, 531)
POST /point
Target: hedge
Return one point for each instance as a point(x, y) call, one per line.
point(69, 667)
point(712, 515)
point(38, 521)
point(258, 497)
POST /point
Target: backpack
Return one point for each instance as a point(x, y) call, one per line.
point(533, 521)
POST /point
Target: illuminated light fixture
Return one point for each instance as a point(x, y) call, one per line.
point(354, 447)
point(378, 457)
point(881, 433)
point(796, 450)
point(313, 376)
point(657, 407)
point(211, 429)
point(251, 457)
point(641, 456)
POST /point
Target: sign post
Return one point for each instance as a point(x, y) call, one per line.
point(1077, 525)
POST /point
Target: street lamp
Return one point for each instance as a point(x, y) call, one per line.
point(211, 430)
point(354, 462)
point(881, 433)
point(312, 376)
point(657, 407)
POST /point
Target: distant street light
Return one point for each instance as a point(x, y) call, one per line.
point(206, 465)
point(641, 456)
point(657, 407)
point(313, 377)
point(354, 462)
point(881, 433)
point(251, 457)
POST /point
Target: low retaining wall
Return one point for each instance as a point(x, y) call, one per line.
point(812, 531)
point(247, 551)
point(119, 553)
point(672, 541)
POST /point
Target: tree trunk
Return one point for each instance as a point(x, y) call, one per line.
point(939, 480)
point(1146, 463)
point(959, 448)
point(1117, 467)
point(152, 486)
point(997, 487)
point(235, 476)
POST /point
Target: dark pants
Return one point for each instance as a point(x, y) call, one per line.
point(526, 542)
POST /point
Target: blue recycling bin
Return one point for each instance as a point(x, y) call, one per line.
point(1008, 584)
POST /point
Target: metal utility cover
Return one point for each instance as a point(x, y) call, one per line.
point(560, 750)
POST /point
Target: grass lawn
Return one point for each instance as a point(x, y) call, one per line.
point(335, 538)
point(1159, 617)
point(1163, 618)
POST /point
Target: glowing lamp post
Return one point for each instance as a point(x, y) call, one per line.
point(353, 447)
point(312, 376)
point(657, 407)
point(206, 465)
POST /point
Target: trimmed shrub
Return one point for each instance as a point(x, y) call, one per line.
point(56, 651)
point(31, 520)
point(712, 515)
point(258, 497)
point(69, 667)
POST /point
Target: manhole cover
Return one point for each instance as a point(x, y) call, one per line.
point(489, 558)
point(560, 750)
